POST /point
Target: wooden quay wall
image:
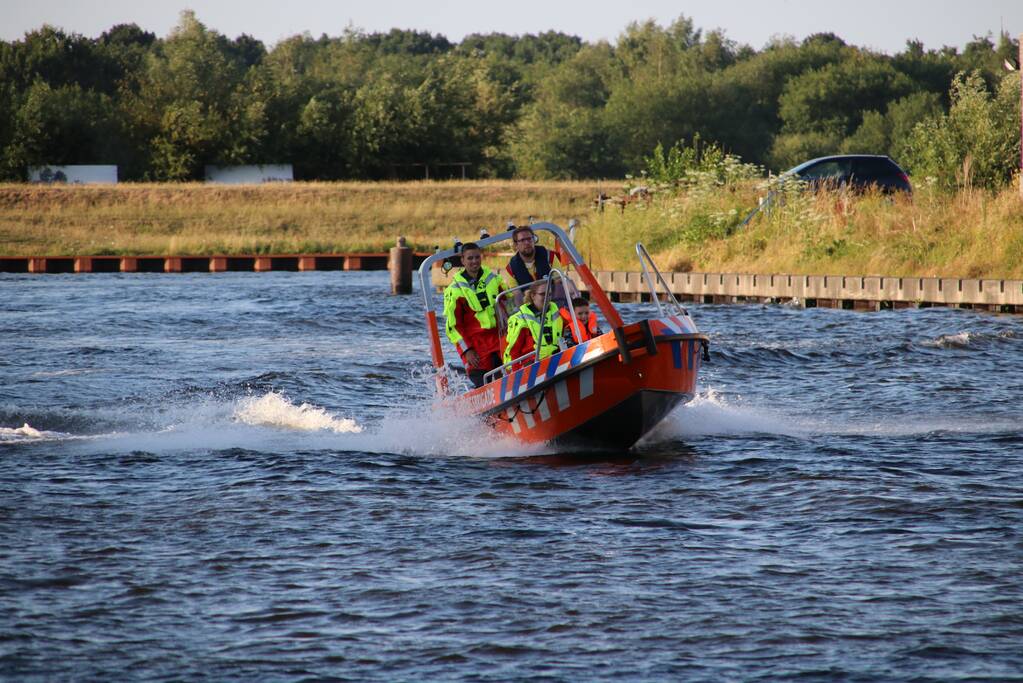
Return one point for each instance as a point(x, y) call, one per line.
point(198, 264)
point(825, 291)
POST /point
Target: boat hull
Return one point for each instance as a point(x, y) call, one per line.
point(624, 424)
point(604, 394)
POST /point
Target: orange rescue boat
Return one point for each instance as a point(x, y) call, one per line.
point(602, 394)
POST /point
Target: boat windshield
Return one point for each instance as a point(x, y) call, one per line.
point(561, 291)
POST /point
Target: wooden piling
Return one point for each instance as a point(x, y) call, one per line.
point(400, 266)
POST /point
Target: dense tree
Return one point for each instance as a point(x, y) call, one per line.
point(63, 125)
point(889, 133)
point(399, 42)
point(368, 105)
point(822, 107)
point(564, 134)
point(125, 46)
point(192, 104)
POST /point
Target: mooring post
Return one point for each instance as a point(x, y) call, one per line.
point(400, 265)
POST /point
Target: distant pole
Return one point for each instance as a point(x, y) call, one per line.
point(400, 265)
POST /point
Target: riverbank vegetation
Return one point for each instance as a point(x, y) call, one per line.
point(973, 232)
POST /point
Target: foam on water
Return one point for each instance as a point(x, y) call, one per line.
point(62, 373)
point(273, 422)
point(967, 339)
point(438, 431)
point(274, 410)
point(28, 433)
point(960, 340)
point(711, 414)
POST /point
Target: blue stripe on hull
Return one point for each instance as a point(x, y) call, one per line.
point(676, 353)
point(578, 354)
point(553, 367)
point(532, 374)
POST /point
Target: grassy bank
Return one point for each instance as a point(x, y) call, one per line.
point(970, 234)
point(132, 219)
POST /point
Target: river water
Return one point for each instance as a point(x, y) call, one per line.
point(239, 476)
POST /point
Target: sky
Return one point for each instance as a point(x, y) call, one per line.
point(883, 25)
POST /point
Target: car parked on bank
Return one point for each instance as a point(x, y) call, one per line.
point(857, 172)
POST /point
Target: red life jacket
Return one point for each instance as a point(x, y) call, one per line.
point(589, 326)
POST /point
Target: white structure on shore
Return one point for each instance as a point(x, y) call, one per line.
point(240, 175)
point(77, 175)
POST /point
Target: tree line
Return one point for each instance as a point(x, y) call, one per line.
point(365, 105)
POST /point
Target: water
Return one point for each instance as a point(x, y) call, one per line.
point(239, 476)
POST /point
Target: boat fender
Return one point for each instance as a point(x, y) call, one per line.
point(705, 343)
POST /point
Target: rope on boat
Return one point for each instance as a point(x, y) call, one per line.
point(518, 408)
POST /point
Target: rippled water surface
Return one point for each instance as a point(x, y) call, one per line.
point(239, 476)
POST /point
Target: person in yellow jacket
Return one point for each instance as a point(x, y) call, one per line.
point(469, 315)
point(524, 326)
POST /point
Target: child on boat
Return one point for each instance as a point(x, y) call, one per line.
point(587, 323)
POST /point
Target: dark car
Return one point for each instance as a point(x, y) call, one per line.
point(855, 171)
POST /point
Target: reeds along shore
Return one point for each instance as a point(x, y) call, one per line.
point(972, 233)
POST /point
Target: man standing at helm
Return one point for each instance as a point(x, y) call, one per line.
point(531, 261)
point(470, 316)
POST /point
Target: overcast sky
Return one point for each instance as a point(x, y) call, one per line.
point(883, 25)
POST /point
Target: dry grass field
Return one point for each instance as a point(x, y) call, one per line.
point(969, 234)
point(275, 218)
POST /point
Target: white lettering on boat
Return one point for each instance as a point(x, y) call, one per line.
point(476, 403)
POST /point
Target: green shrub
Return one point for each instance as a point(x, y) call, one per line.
point(977, 143)
point(700, 165)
